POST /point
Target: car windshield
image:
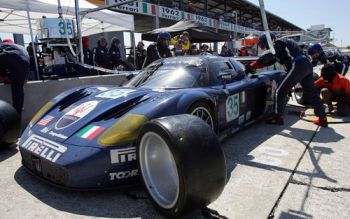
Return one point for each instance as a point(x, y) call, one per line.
point(172, 73)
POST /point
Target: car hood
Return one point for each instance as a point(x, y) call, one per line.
point(101, 109)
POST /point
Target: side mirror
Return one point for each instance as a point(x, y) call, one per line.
point(227, 76)
point(224, 76)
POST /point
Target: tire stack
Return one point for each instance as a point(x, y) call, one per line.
point(10, 124)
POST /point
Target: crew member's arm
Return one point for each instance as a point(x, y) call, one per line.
point(320, 83)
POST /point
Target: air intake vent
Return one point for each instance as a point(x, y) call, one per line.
point(72, 98)
point(121, 109)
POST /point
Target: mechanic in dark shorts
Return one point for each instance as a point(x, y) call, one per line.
point(14, 60)
point(299, 69)
point(334, 87)
point(159, 50)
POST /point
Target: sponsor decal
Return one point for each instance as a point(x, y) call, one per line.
point(114, 94)
point(123, 155)
point(90, 132)
point(248, 115)
point(232, 107)
point(76, 114)
point(123, 174)
point(54, 134)
point(44, 130)
point(45, 120)
point(43, 147)
point(241, 119)
point(102, 88)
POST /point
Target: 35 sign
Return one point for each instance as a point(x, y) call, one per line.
point(56, 28)
point(65, 28)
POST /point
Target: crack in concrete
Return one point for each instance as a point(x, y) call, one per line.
point(327, 188)
point(272, 212)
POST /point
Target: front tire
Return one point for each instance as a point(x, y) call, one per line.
point(181, 162)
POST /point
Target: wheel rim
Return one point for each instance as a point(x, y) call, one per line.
point(298, 93)
point(158, 169)
point(204, 114)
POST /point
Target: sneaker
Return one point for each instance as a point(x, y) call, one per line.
point(321, 122)
point(276, 120)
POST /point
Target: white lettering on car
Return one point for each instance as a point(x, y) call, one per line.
point(123, 155)
point(123, 174)
point(44, 148)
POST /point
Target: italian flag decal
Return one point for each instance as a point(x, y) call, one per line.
point(243, 97)
point(90, 132)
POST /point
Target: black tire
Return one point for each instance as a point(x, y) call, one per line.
point(181, 162)
point(298, 91)
point(10, 124)
point(207, 110)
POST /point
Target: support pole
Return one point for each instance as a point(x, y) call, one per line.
point(80, 41)
point(266, 27)
point(33, 46)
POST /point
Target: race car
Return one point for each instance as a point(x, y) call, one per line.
point(85, 138)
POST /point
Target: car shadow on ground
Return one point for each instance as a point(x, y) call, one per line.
point(127, 203)
point(7, 151)
point(134, 201)
point(237, 148)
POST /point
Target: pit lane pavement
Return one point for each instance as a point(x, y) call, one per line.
point(293, 171)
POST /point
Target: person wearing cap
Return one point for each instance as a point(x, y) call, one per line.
point(243, 51)
point(340, 61)
point(299, 70)
point(7, 40)
point(158, 50)
point(87, 51)
point(114, 53)
point(334, 87)
point(205, 50)
point(140, 55)
point(182, 43)
point(226, 52)
point(193, 50)
point(15, 59)
point(100, 53)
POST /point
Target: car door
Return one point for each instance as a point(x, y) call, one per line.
point(242, 100)
point(231, 104)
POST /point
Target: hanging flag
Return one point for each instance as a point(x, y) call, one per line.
point(45, 120)
point(90, 132)
point(150, 9)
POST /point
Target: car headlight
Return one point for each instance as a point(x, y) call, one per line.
point(41, 112)
point(123, 131)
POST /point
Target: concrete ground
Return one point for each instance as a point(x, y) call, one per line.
point(293, 171)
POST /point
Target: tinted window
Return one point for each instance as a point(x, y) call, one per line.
point(172, 73)
point(217, 67)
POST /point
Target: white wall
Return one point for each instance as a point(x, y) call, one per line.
point(37, 93)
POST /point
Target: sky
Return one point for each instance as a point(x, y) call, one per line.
point(304, 13)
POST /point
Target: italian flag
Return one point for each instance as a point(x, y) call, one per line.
point(243, 97)
point(90, 132)
point(149, 9)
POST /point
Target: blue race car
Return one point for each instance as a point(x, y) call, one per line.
point(85, 137)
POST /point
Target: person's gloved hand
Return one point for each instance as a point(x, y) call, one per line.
point(249, 69)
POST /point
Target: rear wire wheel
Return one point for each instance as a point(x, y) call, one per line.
point(203, 111)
